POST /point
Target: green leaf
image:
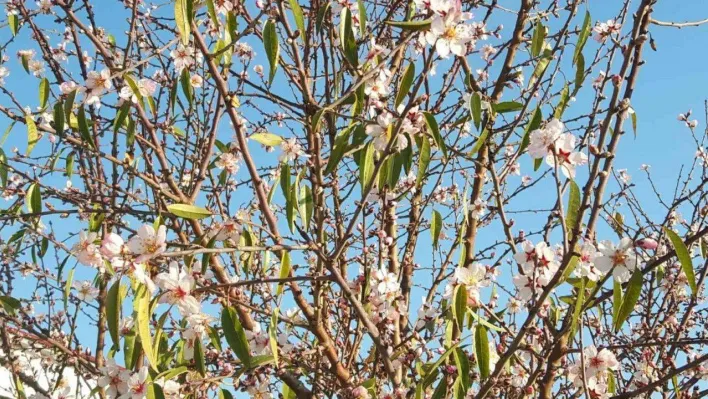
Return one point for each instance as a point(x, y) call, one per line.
point(43, 92)
point(435, 227)
point(59, 119)
point(533, 124)
point(362, 17)
point(435, 131)
point(476, 109)
point(347, 40)
point(481, 347)
point(685, 258)
point(267, 139)
point(67, 288)
point(480, 142)
point(32, 134)
point(272, 48)
point(321, 13)
point(199, 356)
point(211, 10)
point(235, 335)
point(341, 143)
point(616, 299)
point(188, 211)
point(33, 199)
point(183, 19)
point(423, 161)
point(582, 36)
point(366, 166)
point(573, 209)
point(406, 83)
point(579, 72)
point(141, 302)
point(459, 306)
point(463, 367)
point(539, 35)
point(10, 304)
point(114, 301)
point(631, 296)
point(411, 25)
point(3, 169)
point(84, 128)
point(479, 319)
point(284, 271)
point(186, 83)
point(121, 116)
point(14, 23)
point(563, 103)
point(507, 106)
point(273, 336)
point(634, 123)
point(299, 19)
point(306, 206)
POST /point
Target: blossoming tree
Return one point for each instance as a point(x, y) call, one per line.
point(221, 198)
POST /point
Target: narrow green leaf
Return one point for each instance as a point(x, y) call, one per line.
point(59, 119)
point(183, 19)
point(579, 72)
point(423, 161)
point(199, 356)
point(272, 48)
point(480, 142)
point(114, 301)
point(366, 166)
point(476, 109)
point(84, 128)
point(435, 227)
point(3, 169)
point(539, 35)
point(533, 124)
point(459, 306)
point(43, 92)
point(507, 106)
point(631, 296)
point(67, 288)
point(13, 22)
point(563, 103)
point(235, 335)
point(435, 131)
point(284, 271)
point(188, 211)
point(685, 258)
point(582, 36)
point(33, 198)
point(32, 134)
point(573, 209)
point(141, 302)
point(299, 19)
point(481, 347)
point(406, 83)
point(411, 25)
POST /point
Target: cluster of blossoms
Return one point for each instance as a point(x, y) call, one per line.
point(122, 384)
point(449, 32)
point(385, 291)
point(538, 265)
point(686, 118)
point(473, 278)
point(597, 366)
point(555, 146)
point(603, 30)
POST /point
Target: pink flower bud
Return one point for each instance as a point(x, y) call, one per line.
point(112, 245)
point(647, 243)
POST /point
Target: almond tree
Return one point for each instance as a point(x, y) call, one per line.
point(220, 198)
